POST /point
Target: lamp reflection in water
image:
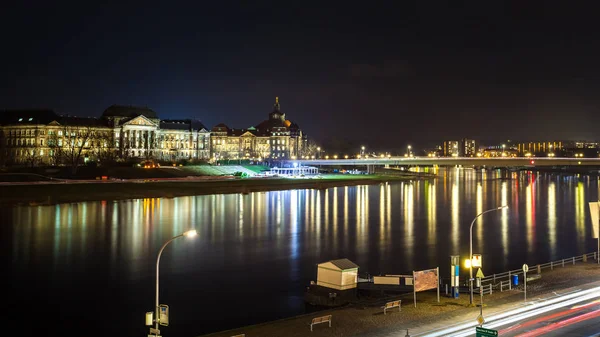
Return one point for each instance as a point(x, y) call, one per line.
point(190, 233)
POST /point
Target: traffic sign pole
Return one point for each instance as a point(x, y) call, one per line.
point(525, 270)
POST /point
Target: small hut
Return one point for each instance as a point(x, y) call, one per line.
point(341, 274)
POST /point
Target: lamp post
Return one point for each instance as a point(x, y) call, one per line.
point(408, 150)
point(471, 249)
point(190, 233)
point(319, 152)
point(362, 151)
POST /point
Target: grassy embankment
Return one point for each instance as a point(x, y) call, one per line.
point(73, 192)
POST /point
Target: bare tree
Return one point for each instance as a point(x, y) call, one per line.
point(310, 149)
point(32, 156)
point(75, 141)
point(104, 147)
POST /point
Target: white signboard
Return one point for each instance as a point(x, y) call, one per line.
point(595, 218)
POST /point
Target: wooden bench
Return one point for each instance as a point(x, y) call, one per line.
point(318, 320)
point(393, 304)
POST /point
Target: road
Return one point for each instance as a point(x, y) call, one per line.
point(578, 320)
point(576, 313)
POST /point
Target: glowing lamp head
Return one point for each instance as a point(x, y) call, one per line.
point(191, 233)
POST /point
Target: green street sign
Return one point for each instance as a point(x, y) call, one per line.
point(483, 332)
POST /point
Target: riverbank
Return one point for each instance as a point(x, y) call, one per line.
point(64, 191)
point(369, 320)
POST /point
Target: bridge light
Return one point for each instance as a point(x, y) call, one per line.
point(579, 163)
point(533, 161)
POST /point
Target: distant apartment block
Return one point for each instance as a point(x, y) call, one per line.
point(460, 148)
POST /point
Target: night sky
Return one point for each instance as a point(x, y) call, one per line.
point(348, 73)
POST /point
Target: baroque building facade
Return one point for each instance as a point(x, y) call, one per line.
point(274, 138)
point(41, 137)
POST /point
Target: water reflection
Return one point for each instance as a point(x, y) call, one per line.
point(284, 234)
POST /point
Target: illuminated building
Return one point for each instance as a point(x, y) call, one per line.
point(41, 137)
point(539, 148)
point(275, 137)
point(460, 148)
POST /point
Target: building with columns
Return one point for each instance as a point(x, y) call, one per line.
point(41, 137)
point(121, 133)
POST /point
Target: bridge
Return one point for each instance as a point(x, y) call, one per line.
point(454, 161)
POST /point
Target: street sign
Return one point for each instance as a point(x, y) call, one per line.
point(483, 332)
point(476, 260)
point(163, 313)
point(155, 332)
point(480, 320)
point(479, 273)
point(525, 268)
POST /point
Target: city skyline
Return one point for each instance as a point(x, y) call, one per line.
point(396, 74)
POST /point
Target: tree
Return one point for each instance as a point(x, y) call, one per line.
point(104, 147)
point(32, 156)
point(75, 139)
point(310, 149)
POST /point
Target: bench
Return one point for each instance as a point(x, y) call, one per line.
point(534, 277)
point(318, 320)
point(391, 305)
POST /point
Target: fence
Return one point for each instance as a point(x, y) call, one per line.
point(503, 280)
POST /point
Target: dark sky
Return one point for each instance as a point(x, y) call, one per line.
point(383, 74)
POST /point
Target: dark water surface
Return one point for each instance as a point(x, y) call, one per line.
point(89, 268)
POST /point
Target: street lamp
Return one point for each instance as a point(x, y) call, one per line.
point(408, 150)
point(190, 233)
point(471, 249)
point(318, 152)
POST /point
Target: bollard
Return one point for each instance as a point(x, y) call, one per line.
point(501, 285)
point(491, 291)
point(539, 269)
point(563, 263)
point(494, 278)
point(446, 289)
point(584, 257)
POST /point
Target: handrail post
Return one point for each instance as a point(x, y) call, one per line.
point(551, 265)
point(573, 259)
point(509, 281)
point(563, 263)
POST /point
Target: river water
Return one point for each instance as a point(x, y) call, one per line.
point(89, 268)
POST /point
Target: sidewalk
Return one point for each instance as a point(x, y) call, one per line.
point(429, 315)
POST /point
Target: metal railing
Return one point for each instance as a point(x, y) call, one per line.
point(503, 280)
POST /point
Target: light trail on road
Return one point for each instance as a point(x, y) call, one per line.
point(515, 315)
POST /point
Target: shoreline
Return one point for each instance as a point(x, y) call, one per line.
point(46, 194)
point(368, 319)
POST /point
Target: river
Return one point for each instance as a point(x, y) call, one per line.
point(89, 268)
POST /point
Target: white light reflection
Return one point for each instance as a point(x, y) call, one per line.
point(552, 219)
